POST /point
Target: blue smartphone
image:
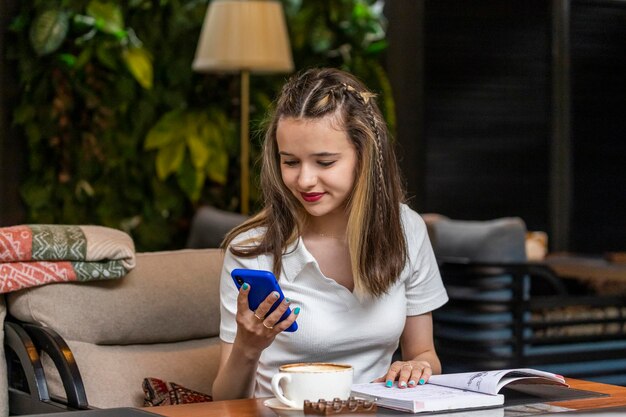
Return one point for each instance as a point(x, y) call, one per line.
point(262, 283)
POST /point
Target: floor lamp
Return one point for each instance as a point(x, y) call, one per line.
point(244, 36)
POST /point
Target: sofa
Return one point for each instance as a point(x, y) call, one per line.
point(161, 320)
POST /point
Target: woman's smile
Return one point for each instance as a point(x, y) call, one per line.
point(311, 197)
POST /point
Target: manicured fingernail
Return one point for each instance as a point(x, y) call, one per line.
point(297, 310)
point(245, 286)
point(287, 300)
point(421, 381)
point(412, 383)
point(389, 383)
point(275, 294)
point(402, 384)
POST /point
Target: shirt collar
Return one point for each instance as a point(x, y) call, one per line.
point(295, 259)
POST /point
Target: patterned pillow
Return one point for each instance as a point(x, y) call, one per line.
point(158, 392)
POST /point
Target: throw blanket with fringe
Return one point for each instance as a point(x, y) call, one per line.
point(32, 255)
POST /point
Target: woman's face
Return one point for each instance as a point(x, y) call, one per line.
point(317, 163)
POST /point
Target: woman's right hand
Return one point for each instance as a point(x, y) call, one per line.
point(254, 332)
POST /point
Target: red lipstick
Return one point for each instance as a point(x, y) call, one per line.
point(311, 197)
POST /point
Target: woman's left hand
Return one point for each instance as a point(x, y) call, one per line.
point(407, 373)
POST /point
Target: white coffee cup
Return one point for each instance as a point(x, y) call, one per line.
point(297, 382)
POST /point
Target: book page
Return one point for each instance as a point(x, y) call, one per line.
point(490, 382)
point(425, 397)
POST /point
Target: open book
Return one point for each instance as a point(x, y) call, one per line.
point(455, 391)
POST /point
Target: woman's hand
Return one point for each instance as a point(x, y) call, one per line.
point(418, 351)
point(408, 373)
point(256, 332)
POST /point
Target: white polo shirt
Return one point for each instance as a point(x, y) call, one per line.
point(334, 325)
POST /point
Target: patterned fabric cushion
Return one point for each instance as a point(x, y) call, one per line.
point(158, 392)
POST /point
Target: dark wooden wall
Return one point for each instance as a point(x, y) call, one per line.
point(487, 86)
point(598, 38)
point(520, 112)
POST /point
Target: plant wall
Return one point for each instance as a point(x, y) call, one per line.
point(122, 133)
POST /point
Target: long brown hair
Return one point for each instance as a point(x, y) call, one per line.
point(376, 240)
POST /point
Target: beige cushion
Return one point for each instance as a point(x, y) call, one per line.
point(4, 389)
point(161, 320)
point(169, 296)
point(113, 374)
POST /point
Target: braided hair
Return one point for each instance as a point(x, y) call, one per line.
point(376, 240)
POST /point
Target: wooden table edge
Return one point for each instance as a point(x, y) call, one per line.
point(255, 408)
point(617, 395)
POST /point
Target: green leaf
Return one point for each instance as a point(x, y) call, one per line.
point(108, 16)
point(48, 31)
point(376, 47)
point(105, 56)
point(68, 59)
point(83, 58)
point(360, 11)
point(169, 158)
point(217, 167)
point(198, 151)
point(191, 181)
point(139, 63)
point(167, 130)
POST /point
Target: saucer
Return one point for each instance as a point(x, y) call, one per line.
point(280, 408)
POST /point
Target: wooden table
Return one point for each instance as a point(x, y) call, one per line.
point(607, 278)
point(255, 407)
point(586, 267)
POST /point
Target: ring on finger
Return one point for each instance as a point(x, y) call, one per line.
point(409, 365)
point(267, 327)
point(260, 318)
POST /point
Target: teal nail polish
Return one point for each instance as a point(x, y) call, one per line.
point(389, 383)
point(275, 294)
point(297, 310)
point(245, 286)
point(287, 300)
point(412, 383)
point(422, 382)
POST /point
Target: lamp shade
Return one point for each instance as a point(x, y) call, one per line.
point(244, 35)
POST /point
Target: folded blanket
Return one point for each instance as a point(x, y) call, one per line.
point(32, 255)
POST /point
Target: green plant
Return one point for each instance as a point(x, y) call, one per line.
point(122, 133)
point(96, 78)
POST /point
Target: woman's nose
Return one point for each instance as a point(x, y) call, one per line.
point(307, 177)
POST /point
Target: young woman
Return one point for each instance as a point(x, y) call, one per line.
point(354, 262)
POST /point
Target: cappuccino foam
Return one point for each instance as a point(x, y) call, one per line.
point(315, 367)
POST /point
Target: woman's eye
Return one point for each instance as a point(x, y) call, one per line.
point(326, 163)
point(290, 163)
